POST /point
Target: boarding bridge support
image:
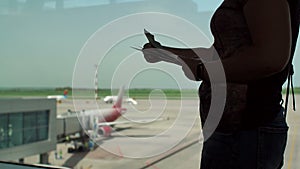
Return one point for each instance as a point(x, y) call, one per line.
point(44, 158)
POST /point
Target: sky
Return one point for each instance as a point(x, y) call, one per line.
point(47, 45)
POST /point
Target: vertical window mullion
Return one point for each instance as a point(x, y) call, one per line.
point(36, 126)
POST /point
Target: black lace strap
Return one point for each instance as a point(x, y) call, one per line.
point(290, 84)
point(293, 93)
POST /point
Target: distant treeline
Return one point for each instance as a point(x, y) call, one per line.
point(296, 90)
point(34, 92)
point(89, 93)
point(142, 93)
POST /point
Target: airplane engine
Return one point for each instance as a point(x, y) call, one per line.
point(105, 131)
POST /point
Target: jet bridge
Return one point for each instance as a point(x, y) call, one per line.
point(67, 124)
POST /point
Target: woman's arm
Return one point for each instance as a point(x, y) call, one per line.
point(151, 53)
point(190, 52)
point(187, 58)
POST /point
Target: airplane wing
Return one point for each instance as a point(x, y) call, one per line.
point(127, 122)
point(105, 128)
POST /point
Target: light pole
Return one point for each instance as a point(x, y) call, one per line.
point(96, 82)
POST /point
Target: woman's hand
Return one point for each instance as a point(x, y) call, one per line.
point(150, 53)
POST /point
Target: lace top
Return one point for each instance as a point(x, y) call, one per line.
point(247, 105)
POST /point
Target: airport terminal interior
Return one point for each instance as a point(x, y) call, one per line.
point(56, 114)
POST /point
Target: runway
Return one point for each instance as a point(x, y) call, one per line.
point(155, 145)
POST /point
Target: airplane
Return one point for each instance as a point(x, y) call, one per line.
point(99, 122)
point(59, 98)
point(113, 99)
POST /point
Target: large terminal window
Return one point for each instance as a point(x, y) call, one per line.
point(3, 131)
point(23, 128)
point(15, 129)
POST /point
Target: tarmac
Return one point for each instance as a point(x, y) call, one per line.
point(172, 138)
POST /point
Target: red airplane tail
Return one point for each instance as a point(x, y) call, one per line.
point(118, 103)
point(66, 91)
